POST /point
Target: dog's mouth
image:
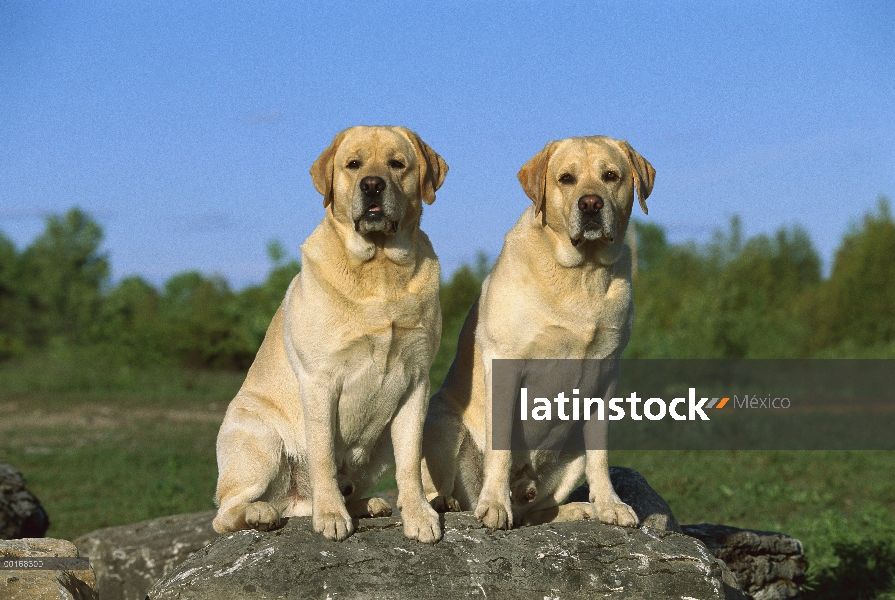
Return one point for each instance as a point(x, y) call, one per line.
point(591, 230)
point(374, 219)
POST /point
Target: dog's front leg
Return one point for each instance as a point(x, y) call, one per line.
point(421, 522)
point(443, 434)
point(610, 508)
point(494, 509)
point(330, 516)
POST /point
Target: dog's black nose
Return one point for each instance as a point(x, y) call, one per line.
point(372, 186)
point(590, 204)
point(347, 489)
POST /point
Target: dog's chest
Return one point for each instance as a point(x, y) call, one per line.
point(380, 368)
point(605, 329)
point(407, 311)
point(580, 322)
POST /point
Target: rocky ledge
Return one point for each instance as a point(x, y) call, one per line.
point(129, 559)
point(580, 559)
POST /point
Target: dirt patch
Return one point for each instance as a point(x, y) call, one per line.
point(15, 416)
point(40, 430)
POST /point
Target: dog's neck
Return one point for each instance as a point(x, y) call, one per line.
point(369, 270)
point(398, 248)
point(597, 254)
point(354, 256)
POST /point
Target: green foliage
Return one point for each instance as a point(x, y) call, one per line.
point(652, 245)
point(456, 296)
point(729, 299)
point(129, 315)
point(203, 323)
point(859, 299)
point(195, 320)
point(56, 294)
point(63, 276)
point(63, 375)
point(760, 294)
point(109, 468)
point(865, 570)
point(254, 307)
point(12, 310)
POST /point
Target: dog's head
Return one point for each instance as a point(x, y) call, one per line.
point(376, 178)
point(583, 188)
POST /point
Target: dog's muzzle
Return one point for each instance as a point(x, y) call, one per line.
point(590, 224)
point(373, 214)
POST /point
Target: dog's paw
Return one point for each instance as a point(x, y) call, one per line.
point(333, 524)
point(262, 516)
point(421, 523)
point(616, 512)
point(573, 511)
point(494, 514)
point(377, 507)
point(577, 511)
point(443, 504)
point(366, 508)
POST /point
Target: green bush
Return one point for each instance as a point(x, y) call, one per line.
point(858, 301)
point(731, 298)
point(457, 295)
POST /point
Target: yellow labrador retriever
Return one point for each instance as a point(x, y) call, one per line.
point(560, 289)
point(340, 385)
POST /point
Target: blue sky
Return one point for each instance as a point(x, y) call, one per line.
point(187, 130)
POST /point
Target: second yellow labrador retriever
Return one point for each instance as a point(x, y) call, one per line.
point(560, 289)
point(340, 384)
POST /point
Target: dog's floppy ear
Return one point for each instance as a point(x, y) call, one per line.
point(432, 168)
point(644, 174)
point(322, 170)
point(533, 177)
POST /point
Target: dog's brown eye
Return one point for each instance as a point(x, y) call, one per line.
point(567, 178)
point(395, 164)
point(610, 176)
point(353, 164)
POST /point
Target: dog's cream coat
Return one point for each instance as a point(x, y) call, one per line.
point(340, 385)
point(561, 288)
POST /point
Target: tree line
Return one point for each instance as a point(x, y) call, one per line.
point(762, 297)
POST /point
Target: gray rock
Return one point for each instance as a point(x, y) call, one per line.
point(632, 488)
point(580, 559)
point(768, 565)
point(130, 558)
point(44, 584)
point(21, 515)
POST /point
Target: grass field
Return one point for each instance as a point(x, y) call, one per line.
point(102, 449)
